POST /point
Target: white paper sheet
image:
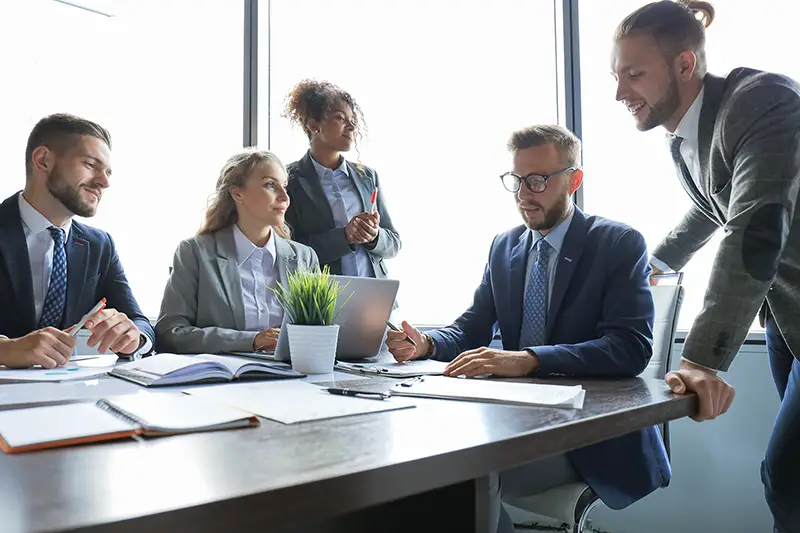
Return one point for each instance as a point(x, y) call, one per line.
point(493, 391)
point(290, 402)
point(70, 371)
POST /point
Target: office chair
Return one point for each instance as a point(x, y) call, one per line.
point(572, 503)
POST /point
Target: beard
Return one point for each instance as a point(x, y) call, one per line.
point(552, 216)
point(662, 110)
point(69, 196)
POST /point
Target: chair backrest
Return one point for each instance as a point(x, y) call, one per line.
point(667, 300)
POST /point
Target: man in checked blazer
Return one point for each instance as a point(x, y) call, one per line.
point(735, 142)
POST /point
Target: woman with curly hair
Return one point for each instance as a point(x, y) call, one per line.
point(336, 207)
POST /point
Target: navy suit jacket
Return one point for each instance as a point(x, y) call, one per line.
point(93, 272)
point(599, 324)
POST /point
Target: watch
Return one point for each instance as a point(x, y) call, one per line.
point(431, 346)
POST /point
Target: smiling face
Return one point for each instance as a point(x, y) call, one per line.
point(336, 131)
point(78, 176)
point(647, 84)
point(263, 198)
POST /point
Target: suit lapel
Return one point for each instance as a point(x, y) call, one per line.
point(519, 261)
point(77, 249)
point(309, 180)
point(229, 274)
point(363, 184)
point(14, 254)
point(286, 260)
point(712, 99)
point(566, 262)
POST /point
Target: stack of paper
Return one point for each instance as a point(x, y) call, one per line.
point(493, 391)
point(425, 367)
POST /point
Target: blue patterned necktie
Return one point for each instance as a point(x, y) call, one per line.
point(534, 308)
point(53, 310)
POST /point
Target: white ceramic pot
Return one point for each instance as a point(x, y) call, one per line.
point(313, 348)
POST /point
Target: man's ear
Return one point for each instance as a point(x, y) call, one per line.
point(686, 63)
point(43, 158)
point(576, 181)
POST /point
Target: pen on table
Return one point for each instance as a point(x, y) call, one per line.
point(352, 392)
point(395, 328)
point(100, 305)
point(373, 200)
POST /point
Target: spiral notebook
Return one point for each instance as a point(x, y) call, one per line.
point(117, 417)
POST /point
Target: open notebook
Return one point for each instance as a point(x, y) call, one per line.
point(116, 417)
point(424, 367)
point(172, 369)
point(492, 391)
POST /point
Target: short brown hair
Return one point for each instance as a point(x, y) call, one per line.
point(565, 142)
point(674, 25)
point(59, 132)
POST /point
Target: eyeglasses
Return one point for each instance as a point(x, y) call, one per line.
point(534, 182)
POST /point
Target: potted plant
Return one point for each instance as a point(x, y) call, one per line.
point(310, 300)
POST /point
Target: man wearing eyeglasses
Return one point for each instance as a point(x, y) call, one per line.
point(570, 295)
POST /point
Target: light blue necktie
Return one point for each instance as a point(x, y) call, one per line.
point(534, 307)
point(53, 310)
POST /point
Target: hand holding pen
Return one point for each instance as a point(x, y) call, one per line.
point(405, 344)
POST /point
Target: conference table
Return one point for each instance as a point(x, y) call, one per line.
point(419, 469)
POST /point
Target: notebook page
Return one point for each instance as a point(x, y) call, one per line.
point(164, 411)
point(21, 427)
point(290, 402)
point(494, 391)
point(159, 364)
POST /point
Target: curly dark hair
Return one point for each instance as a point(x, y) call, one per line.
point(311, 99)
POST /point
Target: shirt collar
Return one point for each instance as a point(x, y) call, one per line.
point(690, 123)
point(245, 248)
point(35, 221)
point(555, 238)
point(322, 171)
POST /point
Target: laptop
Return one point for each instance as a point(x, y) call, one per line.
point(362, 322)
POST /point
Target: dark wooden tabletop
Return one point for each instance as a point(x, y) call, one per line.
point(279, 475)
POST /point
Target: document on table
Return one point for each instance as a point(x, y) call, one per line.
point(493, 391)
point(70, 371)
point(290, 402)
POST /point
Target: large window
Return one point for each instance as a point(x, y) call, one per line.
point(442, 85)
point(164, 77)
point(629, 175)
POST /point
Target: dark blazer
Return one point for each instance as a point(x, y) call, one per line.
point(599, 324)
point(311, 219)
point(93, 272)
point(749, 150)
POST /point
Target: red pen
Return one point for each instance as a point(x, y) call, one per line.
point(373, 200)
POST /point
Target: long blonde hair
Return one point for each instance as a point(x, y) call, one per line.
point(221, 210)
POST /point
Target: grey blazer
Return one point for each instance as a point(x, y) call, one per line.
point(749, 150)
point(311, 218)
point(202, 310)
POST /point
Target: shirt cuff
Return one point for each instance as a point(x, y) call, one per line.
point(659, 264)
point(144, 349)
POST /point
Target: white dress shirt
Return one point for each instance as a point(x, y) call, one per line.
point(40, 250)
point(257, 271)
point(345, 201)
point(688, 129)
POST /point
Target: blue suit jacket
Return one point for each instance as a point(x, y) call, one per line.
point(93, 272)
point(600, 324)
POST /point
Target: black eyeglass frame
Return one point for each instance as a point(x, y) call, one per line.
point(540, 179)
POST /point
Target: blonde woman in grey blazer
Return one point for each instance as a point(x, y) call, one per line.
point(217, 298)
